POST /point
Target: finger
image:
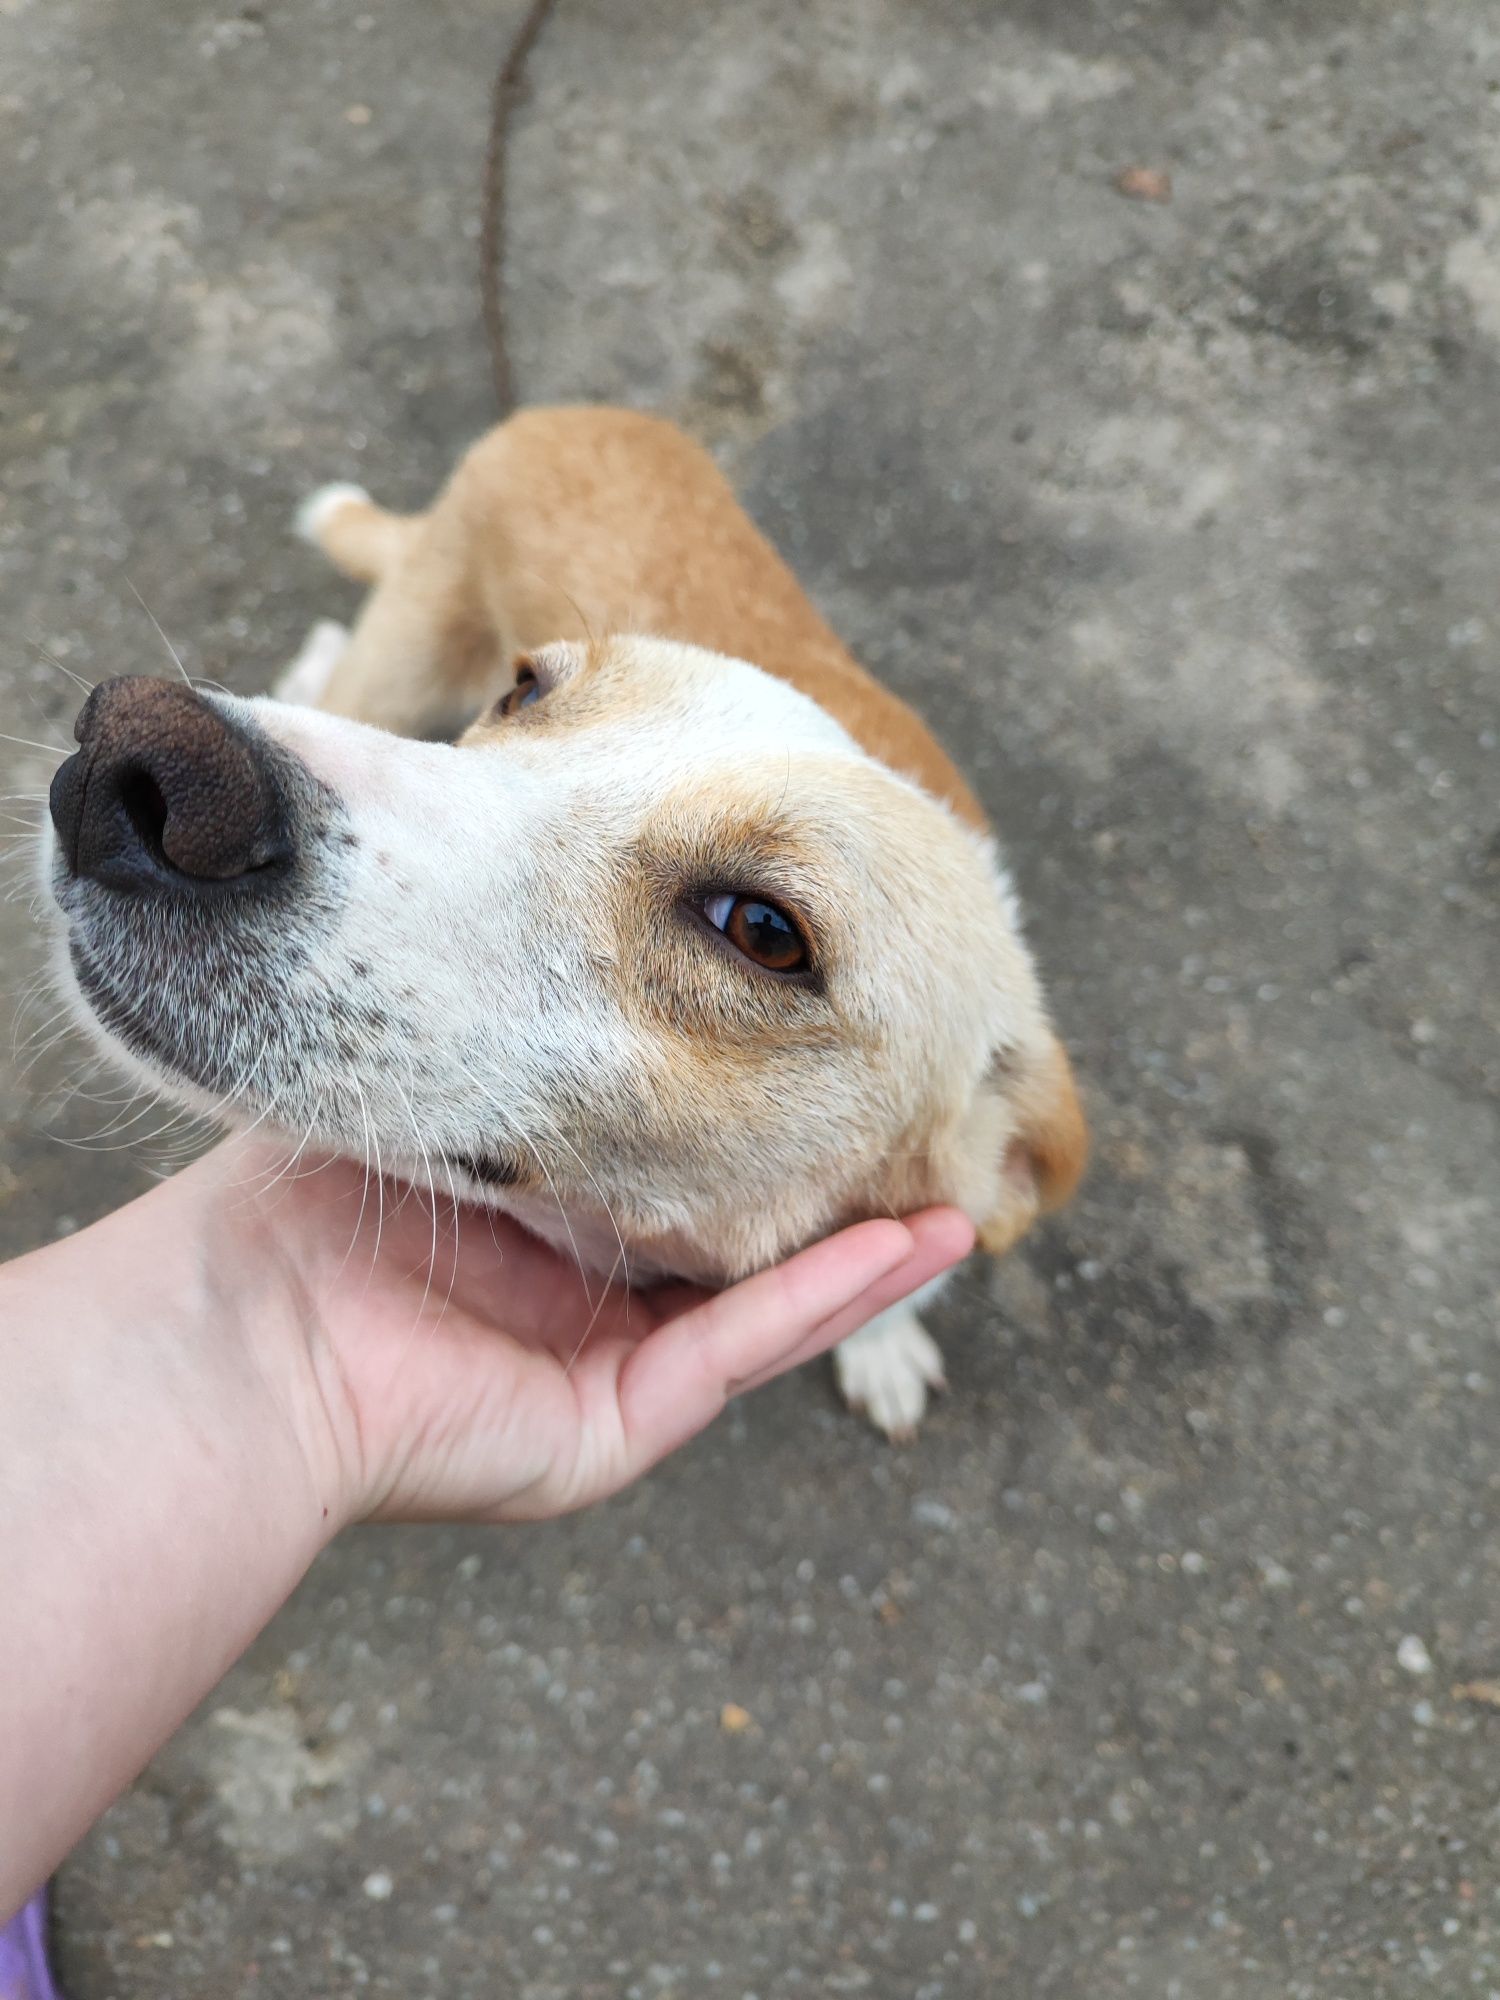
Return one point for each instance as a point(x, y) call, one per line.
point(942, 1237)
point(682, 1375)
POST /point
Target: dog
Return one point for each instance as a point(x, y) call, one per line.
point(693, 947)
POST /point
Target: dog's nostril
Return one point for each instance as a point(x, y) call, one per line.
point(146, 809)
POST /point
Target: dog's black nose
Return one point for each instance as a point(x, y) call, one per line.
point(166, 795)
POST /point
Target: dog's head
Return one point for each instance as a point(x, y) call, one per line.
point(654, 949)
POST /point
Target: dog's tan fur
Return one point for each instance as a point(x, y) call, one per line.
point(567, 523)
point(575, 524)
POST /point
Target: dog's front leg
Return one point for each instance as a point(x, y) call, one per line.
point(887, 1370)
point(303, 682)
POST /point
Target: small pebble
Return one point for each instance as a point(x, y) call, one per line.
point(1144, 183)
point(1412, 1656)
point(378, 1886)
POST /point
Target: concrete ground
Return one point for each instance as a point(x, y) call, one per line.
point(1180, 520)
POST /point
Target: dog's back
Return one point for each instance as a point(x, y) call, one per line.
point(571, 523)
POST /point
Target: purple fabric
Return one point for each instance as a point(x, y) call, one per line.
point(24, 1972)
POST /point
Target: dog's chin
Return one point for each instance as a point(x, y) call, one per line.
point(129, 1035)
point(120, 1019)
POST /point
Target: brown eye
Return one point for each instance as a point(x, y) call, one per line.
point(759, 930)
point(526, 690)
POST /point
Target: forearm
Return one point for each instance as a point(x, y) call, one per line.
point(198, 1392)
point(157, 1501)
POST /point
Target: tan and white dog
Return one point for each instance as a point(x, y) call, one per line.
point(694, 947)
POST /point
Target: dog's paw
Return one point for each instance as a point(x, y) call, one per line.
point(887, 1369)
point(303, 682)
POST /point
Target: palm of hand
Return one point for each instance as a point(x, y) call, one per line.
point(474, 1372)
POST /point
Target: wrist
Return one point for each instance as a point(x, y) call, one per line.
point(193, 1301)
point(250, 1292)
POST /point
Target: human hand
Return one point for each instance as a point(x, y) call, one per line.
point(466, 1369)
point(198, 1391)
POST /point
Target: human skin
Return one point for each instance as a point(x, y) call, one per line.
point(200, 1391)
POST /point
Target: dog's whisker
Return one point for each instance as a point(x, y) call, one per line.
point(199, 1129)
point(53, 661)
point(42, 1041)
point(179, 1116)
point(45, 1036)
point(583, 1276)
point(593, 1319)
point(109, 1102)
point(513, 1132)
point(21, 888)
point(116, 1113)
point(40, 706)
point(379, 1203)
point(609, 1212)
point(245, 1085)
point(87, 1145)
point(33, 992)
point(171, 649)
point(284, 1170)
point(456, 1206)
point(259, 1187)
point(124, 1122)
point(364, 1198)
point(432, 1191)
point(193, 1142)
point(74, 1091)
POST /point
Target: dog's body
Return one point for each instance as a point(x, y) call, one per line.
point(697, 945)
point(572, 524)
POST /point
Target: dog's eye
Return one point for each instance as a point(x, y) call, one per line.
point(761, 932)
point(526, 690)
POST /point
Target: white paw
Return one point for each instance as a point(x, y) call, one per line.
point(886, 1370)
point(303, 682)
point(316, 508)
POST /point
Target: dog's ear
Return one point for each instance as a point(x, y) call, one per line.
point(1015, 1150)
point(1031, 1120)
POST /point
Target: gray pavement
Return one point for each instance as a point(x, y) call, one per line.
point(1180, 521)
